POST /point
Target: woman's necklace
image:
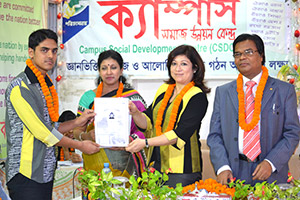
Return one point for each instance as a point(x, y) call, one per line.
point(100, 88)
point(175, 108)
point(50, 96)
point(257, 100)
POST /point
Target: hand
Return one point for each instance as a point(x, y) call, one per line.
point(66, 153)
point(136, 145)
point(89, 147)
point(132, 108)
point(69, 134)
point(263, 171)
point(224, 176)
point(86, 117)
point(76, 158)
point(92, 134)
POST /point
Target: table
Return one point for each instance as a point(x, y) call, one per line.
point(63, 181)
point(65, 175)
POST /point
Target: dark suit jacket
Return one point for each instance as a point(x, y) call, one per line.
point(279, 127)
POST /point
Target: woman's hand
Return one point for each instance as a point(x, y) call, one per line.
point(91, 134)
point(136, 145)
point(69, 134)
point(76, 158)
point(89, 147)
point(137, 116)
point(132, 108)
point(88, 135)
point(86, 118)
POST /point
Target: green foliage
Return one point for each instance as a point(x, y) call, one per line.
point(149, 186)
point(99, 185)
point(265, 191)
point(291, 74)
point(241, 190)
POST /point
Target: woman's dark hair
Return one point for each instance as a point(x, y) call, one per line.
point(117, 57)
point(39, 36)
point(197, 62)
point(66, 116)
point(256, 39)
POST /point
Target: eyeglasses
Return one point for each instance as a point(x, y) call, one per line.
point(247, 52)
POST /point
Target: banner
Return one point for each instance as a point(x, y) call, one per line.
point(145, 31)
point(18, 19)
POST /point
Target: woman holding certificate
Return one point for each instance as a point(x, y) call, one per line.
point(111, 83)
point(171, 124)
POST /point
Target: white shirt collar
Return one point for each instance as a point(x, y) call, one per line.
point(256, 79)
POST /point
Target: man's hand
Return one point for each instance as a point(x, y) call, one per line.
point(224, 176)
point(86, 118)
point(89, 147)
point(263, 171)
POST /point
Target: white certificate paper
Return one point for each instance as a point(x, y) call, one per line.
point(112, 122)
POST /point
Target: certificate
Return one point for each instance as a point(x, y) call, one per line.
point(112, 122)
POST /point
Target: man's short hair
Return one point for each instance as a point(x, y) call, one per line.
point(39, 36)
point(256, 39)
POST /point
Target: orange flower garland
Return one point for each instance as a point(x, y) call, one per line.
point(257, 100)
point(174, 112)
point(50, 96)
point(209, 185)
point(100, 88)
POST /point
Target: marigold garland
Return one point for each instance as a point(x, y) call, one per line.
point(100, 88)
point(257, 100)
point(51, 96)
point(174, 112)
point(209, 185)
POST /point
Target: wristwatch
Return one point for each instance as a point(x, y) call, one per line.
point(146, 141)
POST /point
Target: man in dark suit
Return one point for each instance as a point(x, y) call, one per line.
point(255, 129)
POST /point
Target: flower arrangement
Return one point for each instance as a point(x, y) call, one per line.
point(238, 190)
point(210, 185)
point(291, 74)
point(149, 186)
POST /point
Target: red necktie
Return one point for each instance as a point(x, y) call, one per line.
point(251, 143)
